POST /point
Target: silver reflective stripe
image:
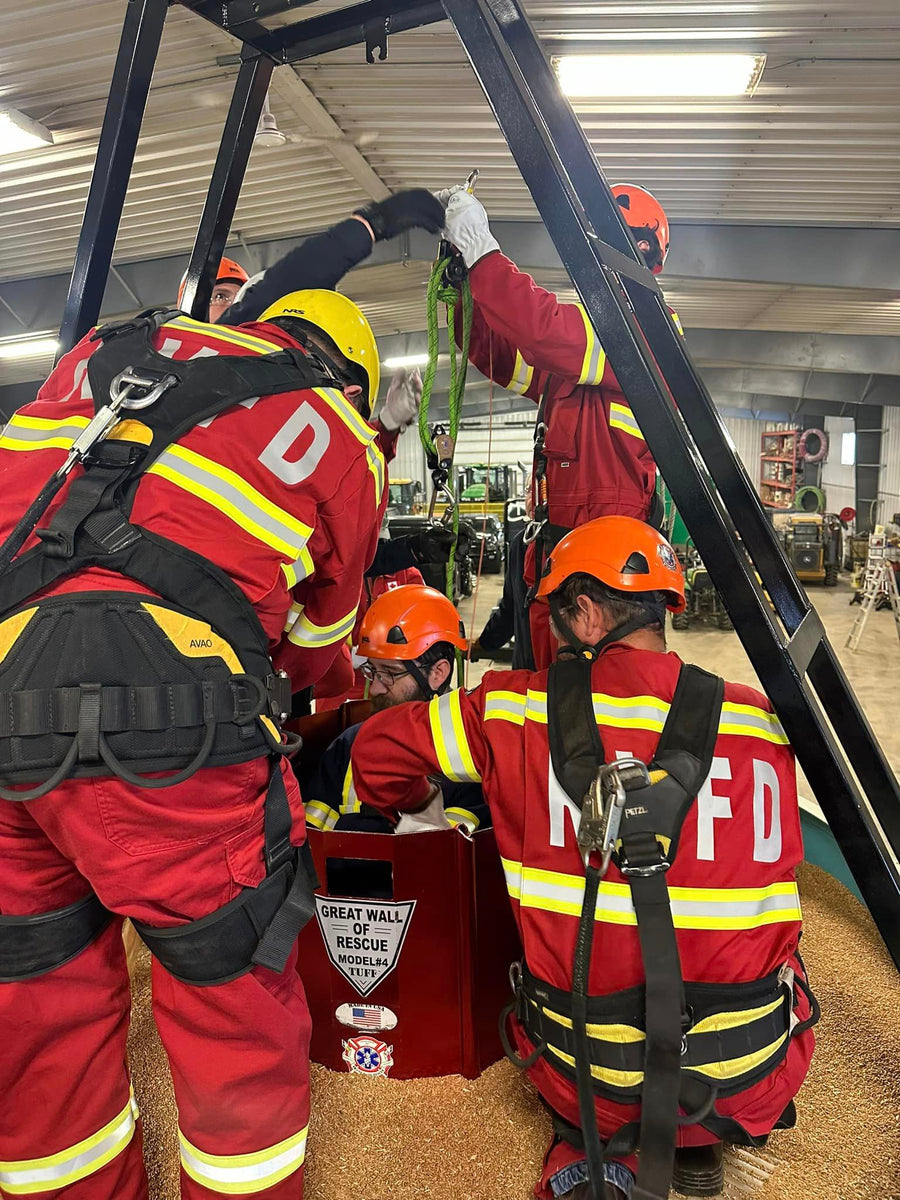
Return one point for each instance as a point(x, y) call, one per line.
point(303, 632)
point(244, 1174)
point(522, 375)
point(751, 722)
point(66, 1167)
point(505, 706)
point(53, 431)
point(449, 737)
point(230, 496)
point(692, 908)
point(621, 417)
point(641, 712)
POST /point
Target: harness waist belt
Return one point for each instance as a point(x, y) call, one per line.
point(733, 1034)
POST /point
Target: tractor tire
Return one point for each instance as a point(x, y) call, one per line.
point(680, 621)
point(724, 621)
point(831, 575)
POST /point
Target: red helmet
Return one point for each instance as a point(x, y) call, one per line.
point(229, 272)
point(621, 552)
point(643, 211)
point(405, 621)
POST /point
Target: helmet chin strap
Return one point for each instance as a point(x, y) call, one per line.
point(652, 614)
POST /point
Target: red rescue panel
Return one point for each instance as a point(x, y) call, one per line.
point(409, 977)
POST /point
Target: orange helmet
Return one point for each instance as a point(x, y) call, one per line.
point(621, 552)
point(404, 622)
point(643, 211)
point(229, 272)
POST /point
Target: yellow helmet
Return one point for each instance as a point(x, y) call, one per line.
point(341, 320)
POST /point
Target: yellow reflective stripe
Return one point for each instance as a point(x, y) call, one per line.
point(321, 815)
point(304, 632)
point(462, 816)
point(621, 1079)
point(621, 1034)
point(634, 712)
point(717, 1022)
point(349, 799)
point(621, 417)
point(298, 570)
point(41, 433)
point(692, 908)
point(243, 1174)
point(746, 720)
point(22, 1177)
point(375, 459)
point(594, 363)
point(731, 1068)
point(521, 377)
point(449, 736)
point(341, 406)
point(224, 333)
point(505, 706)
point(235, 498)
point(513, 872)
point(676, 321)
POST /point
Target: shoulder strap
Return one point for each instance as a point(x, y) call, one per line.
point(692, 727)
point(203, 387)
point(576, 749)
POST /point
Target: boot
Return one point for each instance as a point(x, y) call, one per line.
point(699, 1170)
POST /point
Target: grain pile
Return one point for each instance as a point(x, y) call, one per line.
point(483, 1139)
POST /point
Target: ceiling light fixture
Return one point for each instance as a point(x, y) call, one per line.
point(406, 360)
point(671, 75)
point(29, 347)
point(18, 132)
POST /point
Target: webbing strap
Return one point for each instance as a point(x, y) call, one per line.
point(31, 946)
point(576, 749)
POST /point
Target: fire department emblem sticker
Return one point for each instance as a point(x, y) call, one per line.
point(367, 1056)
point(667, 557)
point(363, 938)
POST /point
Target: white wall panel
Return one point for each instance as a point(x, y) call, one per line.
point(838, 481)
point(410, 460)
point(745, 433)
point(889, 487)
point(508, 445)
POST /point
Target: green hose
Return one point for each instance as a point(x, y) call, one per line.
point(437, 292)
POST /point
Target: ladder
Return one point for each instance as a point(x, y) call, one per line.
point(879, 580)
point(780, 630)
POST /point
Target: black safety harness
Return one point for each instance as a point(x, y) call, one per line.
point(632, 813)
point(540, 529)
point(117, 683)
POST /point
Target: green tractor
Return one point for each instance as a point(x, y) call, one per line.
point(702, 601)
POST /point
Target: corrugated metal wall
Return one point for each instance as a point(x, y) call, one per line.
point(509, 444)
point(889, 487)
point(838, 482)
point(410, 460)
point(745, 433)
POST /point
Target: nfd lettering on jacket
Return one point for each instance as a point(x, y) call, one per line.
point(714, 807)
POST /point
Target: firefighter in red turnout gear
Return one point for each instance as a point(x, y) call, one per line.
point(591, 459)
point(724, 819)
point(210, 539)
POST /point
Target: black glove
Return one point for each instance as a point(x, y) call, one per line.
point(432, 545)
point(413, 209)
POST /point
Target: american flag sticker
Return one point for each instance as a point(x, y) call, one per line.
point(366, 1016)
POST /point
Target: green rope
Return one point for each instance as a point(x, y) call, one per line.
point(439, 292)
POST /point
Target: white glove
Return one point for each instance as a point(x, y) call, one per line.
point(466, 225)
point(401, 404)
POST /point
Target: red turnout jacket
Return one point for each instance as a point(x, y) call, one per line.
point(284, 493)
point(733, 892)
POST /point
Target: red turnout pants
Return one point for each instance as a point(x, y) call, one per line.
point(238, 1051)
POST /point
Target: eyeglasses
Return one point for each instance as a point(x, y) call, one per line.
point(387, 679)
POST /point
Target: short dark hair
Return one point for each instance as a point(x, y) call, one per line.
point(300, 329)
point(619, 607)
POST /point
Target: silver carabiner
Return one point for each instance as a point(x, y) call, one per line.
point(134, 391)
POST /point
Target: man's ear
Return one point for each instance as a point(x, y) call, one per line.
point(439, 673)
